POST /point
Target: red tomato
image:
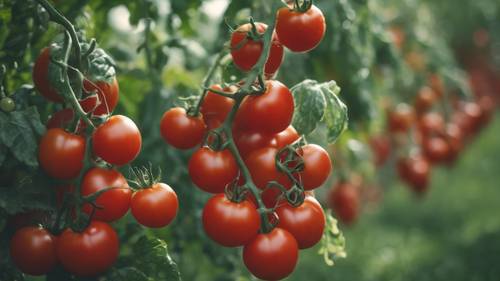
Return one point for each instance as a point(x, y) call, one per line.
point(317, 166)
point(216, 107)
point(401, 118)
point(415, 171)
point(425, 99)
point(300, 32)
point(436, 149)
point(381, 148)
point(106, 99)
point(114, 202)
point(155, 206)
point(262, 166)
point(61, 154)
point(270, 112)
point(286, 137)
point(229, 223)
point(212, 170)
point(33, 250)
point(305, 222)
point(271, 256)
point(181, 130)
point(454, 137)
point(41, 79)
point(90, 252)
point(117, 141)
point(344, 200)
point(431, 123)
point(246, 52)
point(61, 119)
point(248, 141)
point(474, 114)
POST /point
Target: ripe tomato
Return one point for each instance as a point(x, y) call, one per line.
point(215, 107)
point(114, 202)
point(106, 99)
point(61, 119)
point(305, 222)
point(381, 149)
point(436, 149)
point(300, 32)
point(248, 141)
point(474, 114)
point(425, 99)
point(212, 170)
point(431, 123)
point(229, 223)
point(401, 118)
point(270, 112)
point(271, 256)
point(33, 250)
point(181, 130)
point(454, 137)
point(155, 206)
point(262, 166)
point(117, 141)
point(286, 137)
point(61, 154)
point(90, 252)
point(246, 52)
point(41, 79)
point(317, 166)
point(344, 200)
point(415, 171)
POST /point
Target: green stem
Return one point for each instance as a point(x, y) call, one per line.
point(208, 80)
point(57, 17)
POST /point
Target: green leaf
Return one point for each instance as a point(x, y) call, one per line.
point(310, 106)
point(154, 260)
point(335, 117)
point(127, 274)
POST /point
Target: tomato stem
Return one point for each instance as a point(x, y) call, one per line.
point(208, 80)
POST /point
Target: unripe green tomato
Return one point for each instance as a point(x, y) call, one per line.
point(7, 104)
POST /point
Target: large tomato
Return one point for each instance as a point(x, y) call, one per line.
point(305, 222)
point(300, 32)
point(155, 206)
point(181, 130)
point(90, 252)
point(212, 170)
point(317, 166)
point(117, 141)
point(262, 166)
point(114, 202)
point(41, 79)
point(33, 250)
point(229, 223)
point(344, 200)
point(216, 107)
point(270, 112)
point(61, 154)
point(271, 256)
point(246, 51)
point(106, 99)
point(248, 141)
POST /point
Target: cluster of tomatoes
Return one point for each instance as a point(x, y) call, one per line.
point(261, 137)
point(63, 155)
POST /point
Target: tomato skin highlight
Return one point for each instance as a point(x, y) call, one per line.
point(300, 32)
point(117, 141)
point(306, 222)
point(41, 79)
point(271, 256)
point(246, 54)
point(90, 252)
point(317, 166)
point(114, 202)
point(106, 99)
point(229, 223)
point(212, 170)
point(61, 154)
point(181, 130)
point(155, 206)
point(269, 113)
point(33, 250)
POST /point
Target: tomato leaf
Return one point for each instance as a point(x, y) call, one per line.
point(127, 274)
point(335, 117)
point(332, 242)
point(155, 260)
point(310, 106)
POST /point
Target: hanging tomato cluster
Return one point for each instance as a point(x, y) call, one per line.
point(83, 157)
point(251, 157)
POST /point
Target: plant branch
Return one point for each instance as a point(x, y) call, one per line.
point(208, 80)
